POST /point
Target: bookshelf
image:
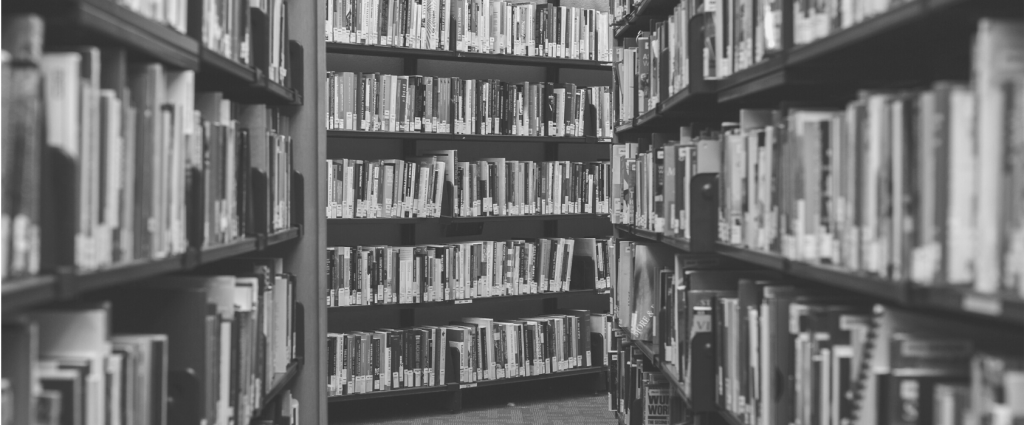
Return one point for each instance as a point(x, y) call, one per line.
point(372, 145)
point(70, 23)
point(887, 53)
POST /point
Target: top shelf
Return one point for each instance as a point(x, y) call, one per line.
point(446, 55)
point(105, 22)
point(76, 20)
point(892, 46)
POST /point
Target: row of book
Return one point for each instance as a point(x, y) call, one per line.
point(503, 187)
point(651, 190)
point(469, 350)
point(214, 344)
point(250, 32)
point(479, 26)
point(771, 351)
point(172, 13)
point(370, 275)
point(922, 184)
point(395, 188)
point(638, 392)
point(108, 161)
point(414, 103)
point(389, 188)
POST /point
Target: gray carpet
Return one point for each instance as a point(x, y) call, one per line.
point(541, 405)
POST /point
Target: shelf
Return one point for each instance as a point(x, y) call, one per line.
point(464, 386)
point(766, 260)
point(964, 300)
point(560, 374)
point(482, 300)
point(446, 55)
point(25, 291)
point(729, 418)
point(238, 81)
point(393, 393)
point(622, 128)
point(284, 236)
point(278, 93)
point(212, 61)
point(280, 383)
point(19, 294)
point(460, 220)
point(872, 286)
point(639, 19)
point(674, 242)
point(79, 21)
point(898, 17)
point(691, 103)
point(355, 134)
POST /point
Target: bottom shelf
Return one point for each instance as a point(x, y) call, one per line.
point(464, 386)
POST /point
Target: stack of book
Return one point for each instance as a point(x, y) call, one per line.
point(466, 351)
point(414, 103)
point(651, 190)
point(917, 185)
point(119, 360)
point(480, 26)
point(112, 161)
point(502, 187)
point(466, 270)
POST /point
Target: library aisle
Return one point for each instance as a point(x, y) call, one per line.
point(630, 212)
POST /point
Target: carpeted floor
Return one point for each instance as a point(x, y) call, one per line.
point(555, 402)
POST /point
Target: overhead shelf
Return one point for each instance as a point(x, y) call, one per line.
point(447, 55)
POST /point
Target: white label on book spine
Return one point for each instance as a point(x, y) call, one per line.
point(463, 301)
point(982, 305)
point(463, 386)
